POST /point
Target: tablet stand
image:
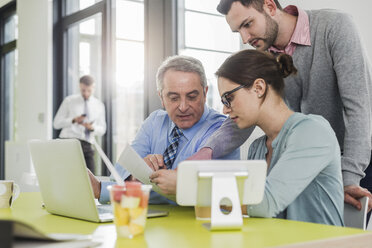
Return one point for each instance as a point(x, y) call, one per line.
point(224, 187)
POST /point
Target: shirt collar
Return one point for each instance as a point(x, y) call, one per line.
point(84, 99)
point(190, 132)
point(301, 34)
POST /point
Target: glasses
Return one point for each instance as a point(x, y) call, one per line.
point(226, 99)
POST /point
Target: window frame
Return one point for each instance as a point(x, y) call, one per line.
point(61, 87)
point(5, 12)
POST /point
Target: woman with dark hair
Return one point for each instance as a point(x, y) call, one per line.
point(302, 153)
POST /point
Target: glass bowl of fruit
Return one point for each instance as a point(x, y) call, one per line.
point(129, 203)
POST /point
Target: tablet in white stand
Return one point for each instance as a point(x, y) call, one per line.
point(214, 182)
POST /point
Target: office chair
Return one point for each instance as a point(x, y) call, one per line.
point(355, 218)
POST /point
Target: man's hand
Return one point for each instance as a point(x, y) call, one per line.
point(155, 161)
point(96, 184)
point(79, 119)
point(353, 193)
point(131, 178)
point(203, 154)
point(166, 180)
point(88, 125)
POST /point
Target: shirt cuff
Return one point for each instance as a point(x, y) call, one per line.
point(350, 178)
point(104, 198)
point(126, 175)
point(215, 152)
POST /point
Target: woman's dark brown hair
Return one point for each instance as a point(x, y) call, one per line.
point(246, 66)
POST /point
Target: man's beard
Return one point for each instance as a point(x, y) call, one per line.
point(271, 33)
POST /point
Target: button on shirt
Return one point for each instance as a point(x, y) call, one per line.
point(304, 179)
point(155, 136)
point(73, 106)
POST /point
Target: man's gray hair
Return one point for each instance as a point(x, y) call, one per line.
point(180, 63)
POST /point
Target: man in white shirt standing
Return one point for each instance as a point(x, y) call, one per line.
point(82, 116)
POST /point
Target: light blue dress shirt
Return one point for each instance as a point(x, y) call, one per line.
point(155, 136)
point(304, 179)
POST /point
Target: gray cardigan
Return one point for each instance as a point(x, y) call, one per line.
point(334, 81)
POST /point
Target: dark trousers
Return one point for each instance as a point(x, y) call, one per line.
point(88, 154)
point(366, 182)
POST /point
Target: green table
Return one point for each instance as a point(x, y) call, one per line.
point(181, 229)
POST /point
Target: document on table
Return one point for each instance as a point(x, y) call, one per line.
point(24, 231)
point(132, 162)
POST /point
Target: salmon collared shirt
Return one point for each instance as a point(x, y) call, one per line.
point(301, 34)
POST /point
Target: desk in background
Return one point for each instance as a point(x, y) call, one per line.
point(181, 229)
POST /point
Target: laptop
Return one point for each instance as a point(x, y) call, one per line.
point(64, 181)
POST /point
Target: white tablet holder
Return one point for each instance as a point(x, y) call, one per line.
point(208, 184)
point(224, 188)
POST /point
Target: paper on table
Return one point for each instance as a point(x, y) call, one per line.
point(132, 162)
point(24, 230)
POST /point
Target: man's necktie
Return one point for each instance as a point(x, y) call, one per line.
point(86, 112)
point(170, 153)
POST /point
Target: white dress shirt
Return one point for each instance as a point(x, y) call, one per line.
point(73, 106)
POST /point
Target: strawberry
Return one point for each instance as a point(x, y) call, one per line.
point(117, 192)
point(133, 189)
point(144, 200)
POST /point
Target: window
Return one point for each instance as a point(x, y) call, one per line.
point(84, 53)
point(82, 38)
point(8, 76)
point(128, 101)
point(199, 37)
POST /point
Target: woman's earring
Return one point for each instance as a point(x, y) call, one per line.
point(259, 96)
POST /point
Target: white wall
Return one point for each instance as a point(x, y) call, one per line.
point(359, 9)
point(33, 93)
point(34, 86)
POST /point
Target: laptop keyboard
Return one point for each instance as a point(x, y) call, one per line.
point(104, 209)
point(105, 213)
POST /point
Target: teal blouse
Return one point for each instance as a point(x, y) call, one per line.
point(304, 179)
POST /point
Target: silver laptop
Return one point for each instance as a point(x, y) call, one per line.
point(64, 182)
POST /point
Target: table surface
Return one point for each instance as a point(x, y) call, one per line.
point(179, 229)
